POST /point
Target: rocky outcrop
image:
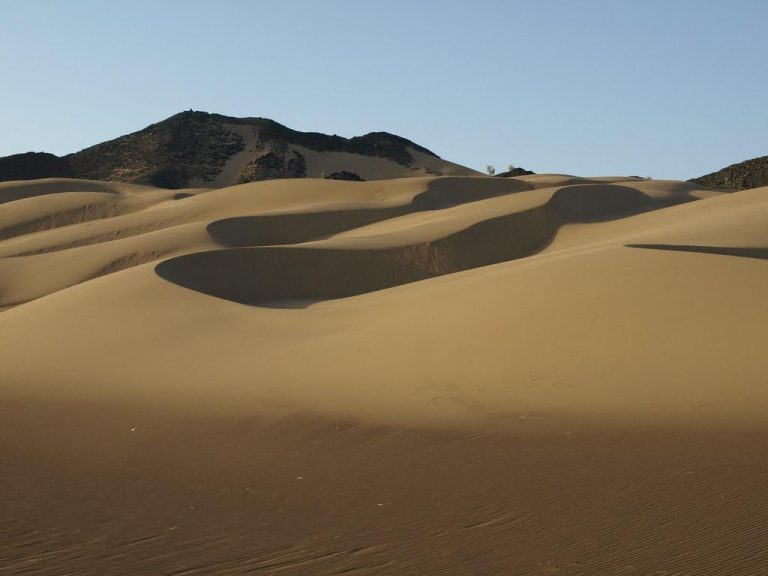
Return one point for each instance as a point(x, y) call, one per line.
point(514, 172)
point(345, 175)
point(273, 165)
point(748, 174)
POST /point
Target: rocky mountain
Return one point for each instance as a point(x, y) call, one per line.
point(210, 150)
point(748, 174)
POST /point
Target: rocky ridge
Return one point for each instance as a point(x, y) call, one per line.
point(194, 148)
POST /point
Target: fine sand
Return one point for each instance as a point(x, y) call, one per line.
point(542, 375)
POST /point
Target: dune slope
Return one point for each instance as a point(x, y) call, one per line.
point(456, 375)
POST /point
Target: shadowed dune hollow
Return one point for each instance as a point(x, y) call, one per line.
point(302, 227)
point(283, 274)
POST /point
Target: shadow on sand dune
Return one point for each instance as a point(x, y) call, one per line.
point(278, 276)
point(84, 213)
point(12, 191)
point(270, 229)
point(759, 253)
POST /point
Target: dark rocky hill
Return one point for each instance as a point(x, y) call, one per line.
point(514, 172)
point(748, 174)
point(33, 165)
point(197, 148)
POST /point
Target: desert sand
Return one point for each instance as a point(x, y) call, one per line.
point(537, 375)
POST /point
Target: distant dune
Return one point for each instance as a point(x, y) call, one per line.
point(455, 374)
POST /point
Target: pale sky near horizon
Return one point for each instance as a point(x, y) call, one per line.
point(661, 88)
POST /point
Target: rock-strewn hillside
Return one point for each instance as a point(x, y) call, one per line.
point(202, 149)
point(748, 174)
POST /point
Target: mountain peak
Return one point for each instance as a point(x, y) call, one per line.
point(195, 148)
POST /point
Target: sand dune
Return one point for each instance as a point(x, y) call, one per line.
point(441, 375)
point(17, 190)
point(323, 273)
point(297, 227)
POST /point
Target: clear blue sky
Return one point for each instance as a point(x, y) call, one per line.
point(662, 88)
